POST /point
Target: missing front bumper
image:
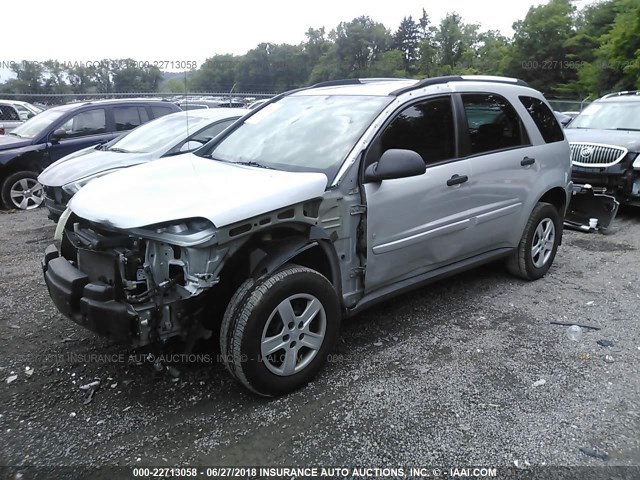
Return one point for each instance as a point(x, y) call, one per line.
point(591, 209)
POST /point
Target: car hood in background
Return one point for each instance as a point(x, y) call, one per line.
point(11, 141)
point(189, 186)
point(623, 138)
point(88, 161)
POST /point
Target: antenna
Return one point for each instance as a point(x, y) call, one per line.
point(186, 101)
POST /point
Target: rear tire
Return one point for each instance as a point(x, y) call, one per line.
point(277, 332)
point(538, 245)
point(22, 191)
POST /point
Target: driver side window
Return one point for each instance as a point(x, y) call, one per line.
point(426, 128)
point(91, 122)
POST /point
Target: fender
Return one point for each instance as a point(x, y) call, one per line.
point(271, 259)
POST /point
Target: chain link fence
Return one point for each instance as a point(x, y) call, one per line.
point(212, 98)
point(569, 105)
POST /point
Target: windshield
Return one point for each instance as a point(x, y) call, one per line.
point(301, 133)
point(36, 125)
point(609, 116)
point(153, 135)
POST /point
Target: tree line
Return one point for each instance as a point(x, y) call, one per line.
point(557, 48)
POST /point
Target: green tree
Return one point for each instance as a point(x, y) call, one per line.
point(617, 59)
point(129, 76)
point(216, 74)
point(539, 54)
point(456, 42)
point(407, 40)
point(359, 44)
point(81, 78)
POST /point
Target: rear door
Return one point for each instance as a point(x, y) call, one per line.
point(419, 223)
point(502, 164)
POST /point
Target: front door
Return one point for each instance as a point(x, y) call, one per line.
point(417, 224)
point(81, 130)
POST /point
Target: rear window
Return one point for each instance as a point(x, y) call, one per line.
point(544, 119)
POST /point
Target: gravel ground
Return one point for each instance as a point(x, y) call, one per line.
point(468, 371)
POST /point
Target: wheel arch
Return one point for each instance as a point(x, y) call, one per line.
point(268, 250)
point(557, 196)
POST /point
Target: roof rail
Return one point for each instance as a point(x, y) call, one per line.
point(625, 92)
point(355, 81)
point(460, 78)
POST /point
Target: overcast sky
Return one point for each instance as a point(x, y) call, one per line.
point(193, 30)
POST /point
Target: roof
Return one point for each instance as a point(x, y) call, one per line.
point(390, 86)
point(111, 101)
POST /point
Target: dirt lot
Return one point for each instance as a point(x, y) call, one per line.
point(451, 374)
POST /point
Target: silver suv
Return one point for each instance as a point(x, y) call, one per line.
point(319, 204)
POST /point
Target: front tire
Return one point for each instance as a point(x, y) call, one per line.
point(538, 245)
point(22, 191)
point(277, 332)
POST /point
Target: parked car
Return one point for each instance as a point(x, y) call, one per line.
point(562, 118)
point(14, 112)
point(605, 150)
point(170, 135)
point(59, 131)
point(199, 104)
point(314, 207)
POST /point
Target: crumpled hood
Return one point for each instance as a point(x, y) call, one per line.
point(11, 141)
point(623, 138)
point(188, 186)
point(85, 162)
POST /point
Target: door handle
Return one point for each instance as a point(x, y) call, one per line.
point(526, 161)
point(457, 180)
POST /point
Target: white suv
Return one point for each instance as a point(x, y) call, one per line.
point(315, 206)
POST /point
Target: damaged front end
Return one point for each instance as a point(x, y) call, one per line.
point(591, 209)
point(138, 287)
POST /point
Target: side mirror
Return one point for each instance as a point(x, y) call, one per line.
point(58, 134)
point(30, 115)
point(190, 145)
point(395, 163)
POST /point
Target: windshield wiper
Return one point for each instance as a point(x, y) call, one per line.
point(253, 164)
point(15, 134)
point(630, 129)
point(119, 150)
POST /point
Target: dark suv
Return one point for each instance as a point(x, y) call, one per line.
point(59, 131)
point(605, 146)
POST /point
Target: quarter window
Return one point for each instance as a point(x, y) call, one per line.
point(91, 122)
point(426, 127)
point(492, 122)
point(544, 119)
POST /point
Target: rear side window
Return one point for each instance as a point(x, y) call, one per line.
point(126, 118)
point(8, 113)
point(544, 119)
point(161, 111)
point(493, 123)
point(426, 128)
